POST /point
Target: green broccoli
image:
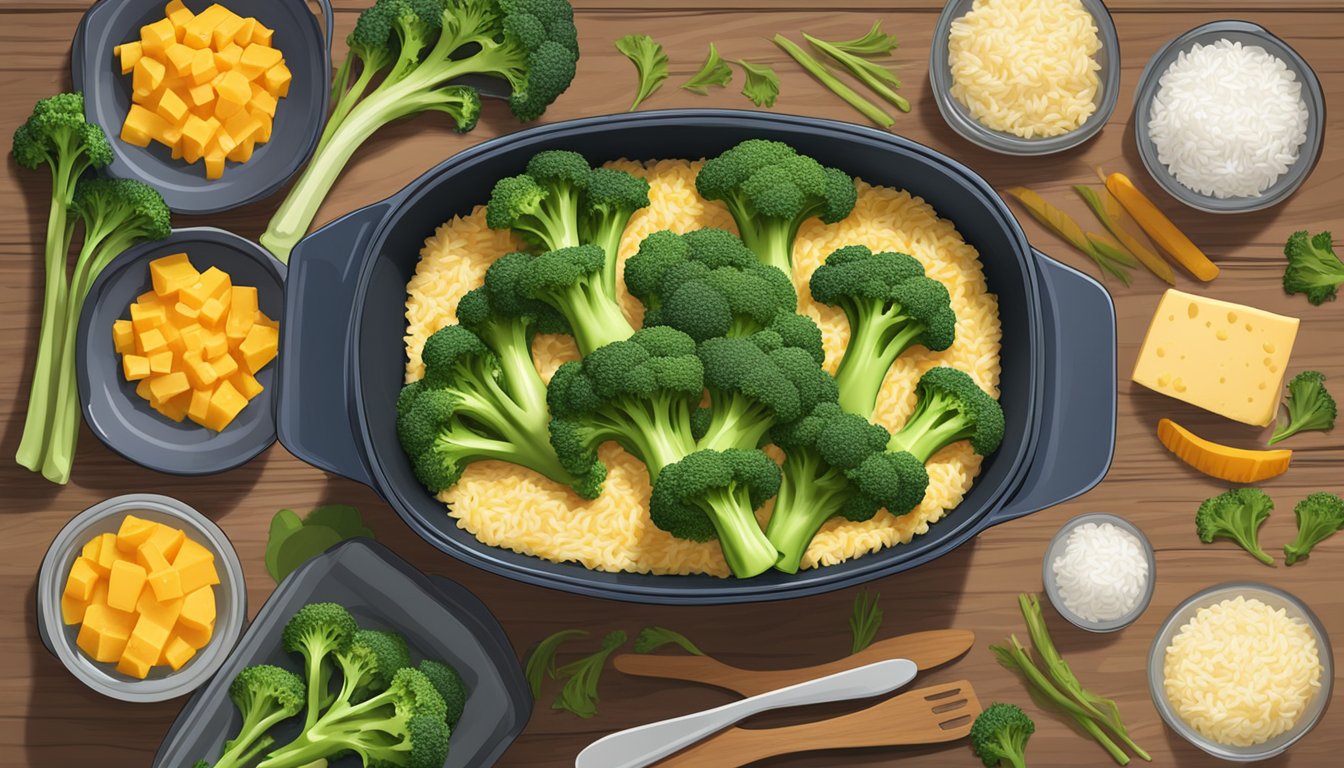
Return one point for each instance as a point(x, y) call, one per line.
point(770, 190)
point(419, 51)
point(264, 695)
point(611, 200)
point(951, 407)
point(368, 665)
point(836, 463)
point(999, 736)
point(891, 306)
point(117, 213)
point(1236, 515)
point(1318, 517)
point(318, 631)
point(450, 686)
point(706, 283)
point(712, 495)
point(473, 405)
point(1307, 408)
point(1313, 268)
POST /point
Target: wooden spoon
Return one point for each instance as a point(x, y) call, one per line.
point(930, 715)
point(926, 649)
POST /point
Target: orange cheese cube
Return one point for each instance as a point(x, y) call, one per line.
point(201, 96)
point(196, 565)
point(142, 391)
point(147, 76)
point(140, 126)
point(174, 408)
point(234, 87)
point(104, 632)
point(150, 557)
point(173, 109)
point(161, 612)
point(225, 366)
point(246, 384)
point(198, 609)
point(263, 35)
point(200, 374)
point(189, 313)
point(212, 312)
point(72, 610)
point(200, 405)
point(196, 638)
point(149, 299)
point(203, 67)
point(213, 283)
point(168, 386)
point(79, 584)
point(199, 32)
point(171, 274)
point(225, 405)
point(226, 30)
point(179, 15)
point(166, 584)
point(179, 59)
point(155, 38)
point(160, 362)
point(262, 319)
point(133, 665)
point(243, 152)
point(216, 344)
point(150, 341)
point(143, 648)
point(259, 348)
point(242, 126)
point(90, 549)
point(214, 162)
point(128, 54)
point(177, 652)
point(257, 58)
point(171, 335)
point(196, 135)
point(133, 532)
point(262, 102)
point(135, 367)
point(107, 555)
point(167, 539)
point(244, 35)
point(267, 126)
point(277, 79)
point(123, 336)
point(145, 316)
point(193, 337)
point(242, 313)
point(124, 585)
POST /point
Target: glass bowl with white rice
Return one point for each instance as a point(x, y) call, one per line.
point(1229, 118)
point(1241, 670)
point(1099, 571)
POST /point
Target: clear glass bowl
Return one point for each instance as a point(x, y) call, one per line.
point(1275, 598)
point(957, 116)
point(1056, 548)
point(1245, 33)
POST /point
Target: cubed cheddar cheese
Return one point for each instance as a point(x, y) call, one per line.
point(243, 152)
point(199, 373)
point(277, 80)
point(242, 312)
point(225, 405)
point(200, 97)
point(151, 340)
point(262, 102)
point(143, 648)
point(200, 31)
point(129, 54)
point(174, 408)
point(226, 30)
point(198, 609)
point(72, 609)
point(196, 638)
point(263, 35)
point(225, 366)
point(91, 548)
point(83, 576)
point(196, 565)
point(142, 391)
point(212, 313)
point(147, 76)
point(159, 362)
point(244, 36)
point(150, 557)
point(200, 404)
point(168, 386)
point(174, 110)
point(214, 160)
point(167, 539)
point(133, 532)
point(145, 316)
point(156, 37)
point(177, 652)
point(246, 384)
point(104, 632)
point(179, 58)
point(203, 67)
point(213, 283)
point(132, 664)
point(140, 126)
point(108, 553)
point(259, 348)
point(123, 336)
point(193, 337)
point(124, 585)
point(179, 15)
point(216, 344)
point(135, 367)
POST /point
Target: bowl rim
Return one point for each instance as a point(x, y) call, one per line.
point(91, 673)
point(955, 115)
point(1202, 598)
point(1051, 585)
point(1312, 95)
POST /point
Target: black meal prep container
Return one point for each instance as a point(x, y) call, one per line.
point(342, 349)
point(439, 619)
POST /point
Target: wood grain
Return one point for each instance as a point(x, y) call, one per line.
point(48, 719)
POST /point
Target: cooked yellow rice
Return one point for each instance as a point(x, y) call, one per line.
point(507, 506)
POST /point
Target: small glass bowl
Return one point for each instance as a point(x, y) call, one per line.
point(959, 117)
point(1275, 598)
point(1056, 549)
point(1245, 33)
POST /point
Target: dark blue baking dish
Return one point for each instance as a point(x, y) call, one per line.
point(342, 348)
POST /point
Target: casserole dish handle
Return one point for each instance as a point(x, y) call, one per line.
point(314, 392)
point(1077, 427)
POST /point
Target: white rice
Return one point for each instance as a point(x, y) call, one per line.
point(1103, 572)
point(1228, 119)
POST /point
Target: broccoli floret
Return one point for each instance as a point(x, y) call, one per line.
point(368, 665)
point(570, 280)
point(1236, 515)
point(951, 407)
point(836, 463)
point(713, 495)
point(1318, 517)
point(466, 410)
point(264, 695)
point(1313, 268)
point(891, 306)
point(999, 736)
point(1308, 407)
point(706, 283)
point(449, 684)
point(638, 393)
point(401, 727)
point(611, 200)
point(419, 52)
point(770, 190)
point(318, 631)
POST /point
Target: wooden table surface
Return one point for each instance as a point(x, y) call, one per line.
point(47, 718)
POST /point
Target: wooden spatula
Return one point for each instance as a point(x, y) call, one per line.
point(926, 649)
point(930, 715)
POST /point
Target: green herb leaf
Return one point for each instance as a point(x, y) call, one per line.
point(865, 619)
point(881, 80)
point(824, 76)
point(283, 524)
point(715, 71)
point(579, 695)
point(650, 62)
point(541, 662)
point(303, 545)
point(293, 541)
point(341, 518)
point(651, 639)
point(874, 43)
point(762, 85)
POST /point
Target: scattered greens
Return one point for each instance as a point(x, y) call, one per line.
point(1113, 260)
point(714, 72)
point(878, 78)
point(406, 57)
point(1110, 213)
point(824, 76)
point(579, 694)
point(1065, 226)
point(1308, 407)
point(874, 42)
point(1236, 515)
point(999, 736)
point(541, 662)
point(293, 540)
point(864, 620)
point(651, 639)
point(762, 84)
point(1318, 517)
point(650, 62)
point(1313, 268)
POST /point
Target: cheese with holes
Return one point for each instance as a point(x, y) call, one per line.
point(1223, 357)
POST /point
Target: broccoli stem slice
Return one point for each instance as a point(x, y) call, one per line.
point(808, 496)
point(595, 318)
point(771, 241)
point(735, 422)
point(745, 547)
point(934, 425)
point(876, 340)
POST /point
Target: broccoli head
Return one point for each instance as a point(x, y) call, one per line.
point(770, 190)
point(449, 684)
point(1313, 268)
point(317, 632)
point(368, 665)
point(951, 407)
point(264, 695)
point(57, 135)
point(999, 736)
point(1236, 515)
point(1318, 517)
point(611, 199)
point(1309, 407)
point(712, 495)
point(890, 306)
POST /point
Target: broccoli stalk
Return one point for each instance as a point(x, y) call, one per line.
point(264, 695)
point(891, 306)
point(416, 50)
point(999, 736)
point(770, 190)
point(1308, 407)
point(1318, 517)
point(55, 135)
point(1313, 268)
point(1236, 515)
point(116, 214)
point(951, 408)
point(317, 632)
